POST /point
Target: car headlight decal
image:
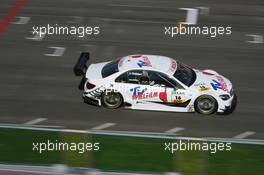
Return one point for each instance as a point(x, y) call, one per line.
point(224, 96)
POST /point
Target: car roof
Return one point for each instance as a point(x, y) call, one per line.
point(148, 62)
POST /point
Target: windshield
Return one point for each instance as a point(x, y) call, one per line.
point(110, 68)
point(184, 74)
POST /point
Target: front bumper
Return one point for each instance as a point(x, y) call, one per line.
point(229, 108)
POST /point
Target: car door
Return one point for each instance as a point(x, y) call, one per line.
point(170, 91)
point(130, 87)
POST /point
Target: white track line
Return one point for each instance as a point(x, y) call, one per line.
point(45, 126)
point(35, 121)
point(192, 15)
point(58, 51)
point(124, 5)
point(103, 126)
point(244, 135)
point(132, 20)
point(257, 39)
point(174, 130)
point(30, 126)
point(132, 134)
point(36, 37)
point(22, 20)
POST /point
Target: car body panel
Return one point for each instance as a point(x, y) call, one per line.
point(160, 98)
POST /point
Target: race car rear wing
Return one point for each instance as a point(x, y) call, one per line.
point(81, 67)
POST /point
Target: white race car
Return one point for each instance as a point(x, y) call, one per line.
point(151, 82)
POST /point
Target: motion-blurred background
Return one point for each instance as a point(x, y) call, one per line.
point(38, 87)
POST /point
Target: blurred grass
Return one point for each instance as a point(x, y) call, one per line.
point(243, 159)
point(16, 147)
point(134, 154)
point(192, 162)
point(73, 158)
point(129, 154)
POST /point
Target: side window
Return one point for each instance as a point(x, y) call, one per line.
point(122, 78)
point(160, 79)
point(132, 77)
point(176, 84)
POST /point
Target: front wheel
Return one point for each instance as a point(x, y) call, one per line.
point(206, 104)
point(112, 100)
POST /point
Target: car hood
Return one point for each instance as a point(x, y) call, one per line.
point(94, 71)
point(208, 80)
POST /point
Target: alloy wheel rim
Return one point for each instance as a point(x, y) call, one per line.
point(206, 105)
point(112, 99)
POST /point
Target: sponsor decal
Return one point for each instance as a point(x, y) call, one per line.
point(145, 95)
point(190, 108)
point(163, 96)
point(180, 93)
point(175, 97)
point(173, 66)
point(178, 99)
point(219, 84)
point(202, 87)
point(136, 56)
point(134, 73)
point(207, 73)
point(140, 93)
point(144, 61)
point(199, 84)
point(137, 90)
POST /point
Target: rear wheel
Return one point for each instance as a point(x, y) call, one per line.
point(112, 100)
point(206, 104)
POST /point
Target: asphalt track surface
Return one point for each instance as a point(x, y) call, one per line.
point(33, 85)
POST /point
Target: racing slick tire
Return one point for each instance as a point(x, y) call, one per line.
point(112, 100)
point(206, 105)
